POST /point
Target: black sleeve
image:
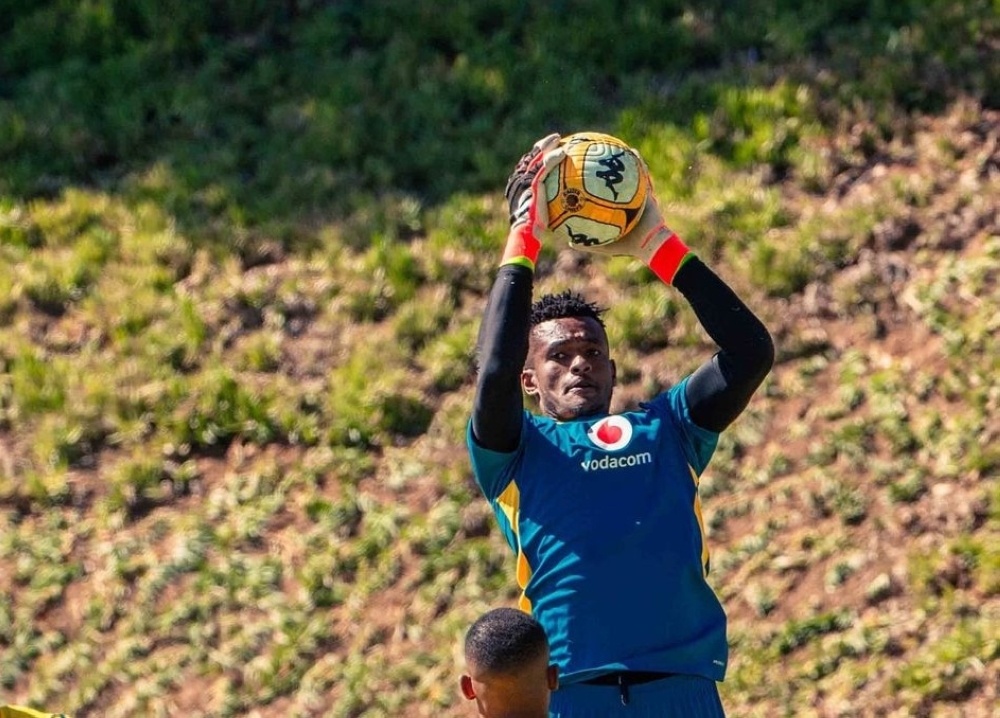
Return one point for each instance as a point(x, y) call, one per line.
point(721, 388)
point(502, 347)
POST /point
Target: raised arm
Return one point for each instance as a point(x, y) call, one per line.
point(501, 350)
point(502, 346)
point(720, 388)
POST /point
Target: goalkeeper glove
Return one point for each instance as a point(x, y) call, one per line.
point(651, 240)
point(529, 218)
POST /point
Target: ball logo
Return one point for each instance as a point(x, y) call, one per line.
point(571, 200)
point(581, 238)
point(611, 433)
point(612, 172)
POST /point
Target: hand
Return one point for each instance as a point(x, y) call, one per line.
point(524, 173)
point(529, 216)
point(650, 240)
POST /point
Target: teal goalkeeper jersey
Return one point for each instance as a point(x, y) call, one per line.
point(604, 518)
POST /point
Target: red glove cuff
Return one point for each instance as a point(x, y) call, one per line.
point(522, 247)
point(522, 244)
point(669, 257)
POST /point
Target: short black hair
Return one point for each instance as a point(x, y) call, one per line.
point(564, 304)
point(505, 640)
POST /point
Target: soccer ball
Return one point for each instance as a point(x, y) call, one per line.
point(597, 193)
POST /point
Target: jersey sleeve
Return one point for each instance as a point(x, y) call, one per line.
point(698, 443)
point(493, 470)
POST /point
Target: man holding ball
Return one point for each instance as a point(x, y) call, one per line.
point(602, 510)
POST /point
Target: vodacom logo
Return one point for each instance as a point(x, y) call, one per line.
point(611, 433)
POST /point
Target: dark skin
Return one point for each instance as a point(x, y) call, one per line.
point(569, 369)
point(521, 694)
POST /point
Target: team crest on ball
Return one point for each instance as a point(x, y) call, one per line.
point(598, 191)
point(611, 433)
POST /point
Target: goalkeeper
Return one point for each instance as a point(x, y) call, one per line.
point(602, 510)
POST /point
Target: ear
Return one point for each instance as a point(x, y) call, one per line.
point(467, 689)
point(614, 373)
point(552, 674)
point(529, 382)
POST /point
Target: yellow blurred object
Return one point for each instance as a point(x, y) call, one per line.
point(22, 712)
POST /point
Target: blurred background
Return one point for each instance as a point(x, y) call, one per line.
point(244, 248)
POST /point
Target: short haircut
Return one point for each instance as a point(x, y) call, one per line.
point(505, 641)
point(564, 304)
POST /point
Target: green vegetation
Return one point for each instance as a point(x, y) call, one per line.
point(244, 247)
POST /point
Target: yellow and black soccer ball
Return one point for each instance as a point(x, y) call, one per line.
point(598, 191)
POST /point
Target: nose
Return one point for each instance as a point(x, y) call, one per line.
point(580, 365)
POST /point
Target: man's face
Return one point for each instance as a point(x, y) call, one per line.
point(569, 369)
point(523, 694)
